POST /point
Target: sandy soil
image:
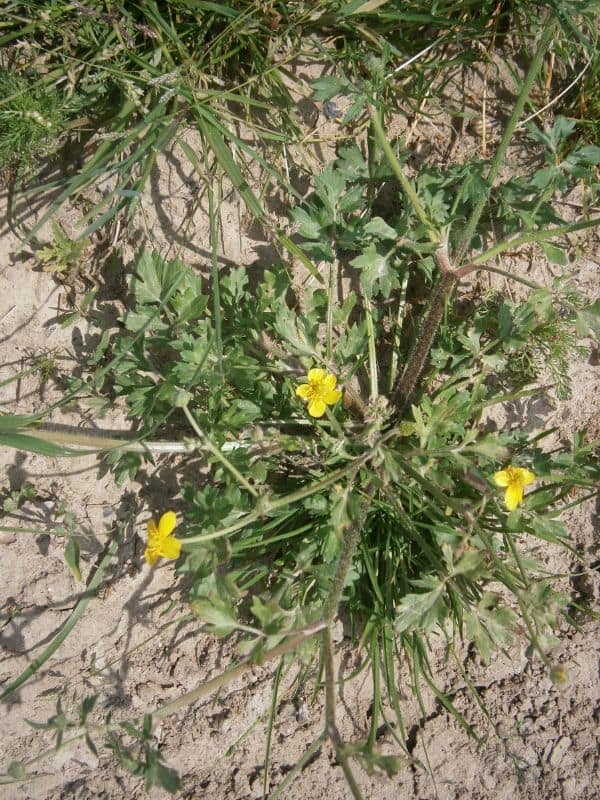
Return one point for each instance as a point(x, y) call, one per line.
point(540, 740)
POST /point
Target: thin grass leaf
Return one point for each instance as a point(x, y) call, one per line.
point(31, 444)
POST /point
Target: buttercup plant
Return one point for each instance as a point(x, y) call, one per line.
point(388, 506)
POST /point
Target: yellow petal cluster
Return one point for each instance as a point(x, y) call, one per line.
point(514, 480)
point(320, 391)
point(161, 542)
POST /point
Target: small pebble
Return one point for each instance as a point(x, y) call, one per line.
point(330, 110)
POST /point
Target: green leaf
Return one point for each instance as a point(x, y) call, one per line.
point(168, 778)
point(330, 185)
point(590, 154)
point(86, 707)
point(90, 744)
point(376, 272)
point(307, 226)
point(225, 157)
point(471, 563)
point(217, 613)
point(361, 7)
point(329, 86)
point(419, 610)
point(554, 254)
point(295, 251)
point(588, 319)
point(490, 446)
point(379, 227)
point(551, 530)
point(351, 163)
point(72, 553)
point(154, 278)
point(240, 413)
point(14, 422)
point(31, 444)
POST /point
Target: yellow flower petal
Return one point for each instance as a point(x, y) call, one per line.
point(332, 397)
point(160, 541)
point(513, 496)
point(170, 547)
point(167, 524)
point(328, 383)
point(304, 391)
point(316, 375)
point(502, 478)
point(316, 407)
point(525, 476)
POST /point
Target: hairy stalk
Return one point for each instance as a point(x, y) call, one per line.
point(413, 373)
point(330, 309)
point(525, 238)
point(272, 712)
point(393, 371)
point(204, 689)
point(376, 707)
point(126, 441)
point(267, 505)
point(372, 344)
point(292, 643)
point(417, 360)
point(213, 209)
point(350, 543)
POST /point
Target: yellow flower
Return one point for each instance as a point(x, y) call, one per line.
point(320, 391)
point(514, 479)
point(160, 541)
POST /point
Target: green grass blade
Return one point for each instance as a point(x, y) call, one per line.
point(12, 423)
point(228, 164)
point(31, 444)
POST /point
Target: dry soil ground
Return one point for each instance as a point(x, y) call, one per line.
point(540, 741)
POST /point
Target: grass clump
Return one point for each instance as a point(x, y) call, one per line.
point(136, 75)
point(31, 121)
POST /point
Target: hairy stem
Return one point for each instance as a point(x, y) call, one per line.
point(417, 360)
